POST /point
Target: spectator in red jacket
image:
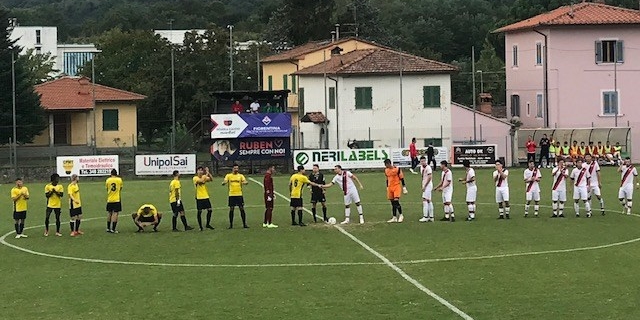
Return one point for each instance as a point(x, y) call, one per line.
point(531, 150)
point(237, 107)
point(413, 153)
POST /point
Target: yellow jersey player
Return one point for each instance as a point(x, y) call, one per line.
point(296, 183)
point(147, 215)
point(235, 180)
point(175, 199)
point(53, 191)
point(202, 195)
point(75, 206)
point(19, 195)
point(114, 206)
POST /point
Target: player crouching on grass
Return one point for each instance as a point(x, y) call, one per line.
point(146, 216)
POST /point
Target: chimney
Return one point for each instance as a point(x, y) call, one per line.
point(486, 103)
point(337, 31)
point(85, 88)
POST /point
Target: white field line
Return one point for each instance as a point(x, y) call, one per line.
point(390, 264)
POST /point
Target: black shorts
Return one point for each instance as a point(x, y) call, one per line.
point(75, 212)
point(236, 201)
point(317, 197)
point(177, 208)
point(56, 210)
point(202, 204)
point(147, 219)
point(296, 203)
point(20, 215)
point(114, 207)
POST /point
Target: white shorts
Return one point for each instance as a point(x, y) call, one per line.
point(502, 195)
point(351, 197)
point(472, 193)
point(558, 195)
point(426, 194)
point(580, 193)
point(626, 192)
point(533, 195)
point(594, 191)
point(447, 195)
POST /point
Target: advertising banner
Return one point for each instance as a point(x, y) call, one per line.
point(401, 158)
point(165, 164)
point(347, 158)
point(250, 125)
point(250, 149)
point(86, 166)
point(478, 155)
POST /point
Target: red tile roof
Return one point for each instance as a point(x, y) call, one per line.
point(314, 117)
point(585, 13)
point(298, 53)
point(377, 61)
point(76, 93)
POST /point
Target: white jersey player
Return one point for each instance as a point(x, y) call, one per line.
point(580, 177)
point(559, 189)
point(446, 187)
point(472, 190)
point(501, 179)
point(625, 194)
point(532, 178)
point(426, 183)
point(345, 180)
point(594, 183)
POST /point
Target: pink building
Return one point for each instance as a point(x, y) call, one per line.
point(576, 67)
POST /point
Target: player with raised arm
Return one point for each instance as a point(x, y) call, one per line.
point(625, 194)
point(594, 183)
point(395, 185)
point(269, 197)
point(345, 180)
point(75, 206)
point(235, 180)
point(532, 178)
point(19, 196)
point(559, 188)
point(297, 181)
point(469, 181)
point(317, 193)
point(114, 206)
point(580, 177)
point(426, 185)
point(175, 200)
point(446, 187)
point(501, 178)
point(54, 192)
point(202, 195)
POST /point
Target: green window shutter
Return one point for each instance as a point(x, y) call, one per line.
point(332, 98)
point(598, 51)
point(364, 98)
point(270, 82)
point(110, 120)
point(619, 51)
point(293, 84)
point(431, 96)
point(369, 95)
point(301, 101)
point(358, 98)
point(285, 82)
point(365, 144)
point(437, 142)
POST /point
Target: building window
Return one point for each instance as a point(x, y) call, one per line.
point(515, 105)
point(293, 84)
point(285, 82)
point(270, 82)
point(528, 109)
point(364, 98)
point(332, 97)
point(38, 37)
point(539, 104)
point(431, 96)
point(110, 120)
point(515, 56)
point(437, 142)
point(364, 144)
point(73, 62)
point(609, 103)
point(301, 101)
point(538, 54)
point(38, 50)
point(609, 51)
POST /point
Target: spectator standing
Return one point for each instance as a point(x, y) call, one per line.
point(413, 153)
point(531, 149)
point(431, 156)
point(545, 145)
point(237, 107)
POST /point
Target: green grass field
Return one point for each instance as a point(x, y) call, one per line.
point(533, 268)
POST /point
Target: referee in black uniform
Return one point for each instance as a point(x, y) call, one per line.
point(317, 193)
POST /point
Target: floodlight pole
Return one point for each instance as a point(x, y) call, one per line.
point(173, 92)
point(13, 110)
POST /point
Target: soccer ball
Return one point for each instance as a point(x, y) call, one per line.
point(332, 220)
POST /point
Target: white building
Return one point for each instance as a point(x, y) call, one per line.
point(379, 97)
point(177, 36)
